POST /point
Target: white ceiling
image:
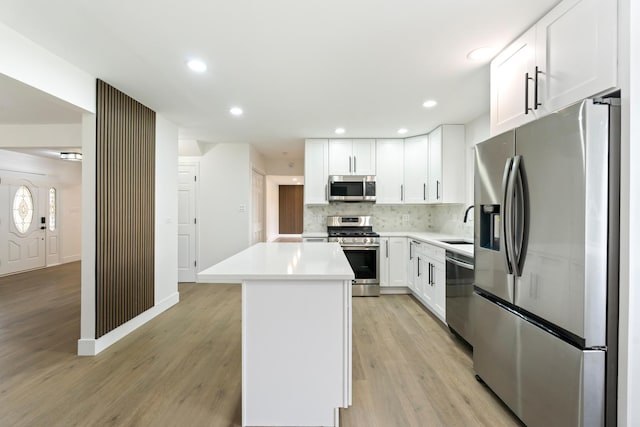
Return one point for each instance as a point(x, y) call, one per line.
point(298, 68)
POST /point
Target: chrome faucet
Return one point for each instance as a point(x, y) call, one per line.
point(466, 213)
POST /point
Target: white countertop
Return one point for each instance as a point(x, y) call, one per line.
point(434, 239)
point(281, 261)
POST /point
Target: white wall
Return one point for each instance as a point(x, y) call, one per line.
point(476, 131)
point(224, 202)
point(272, 196)
point(58, 135)
point(629, 323)
point(166, 219)
point(70, 218)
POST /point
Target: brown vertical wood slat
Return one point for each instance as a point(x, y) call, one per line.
point(125, 208)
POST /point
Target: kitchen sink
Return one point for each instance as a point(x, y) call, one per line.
point(456, 242)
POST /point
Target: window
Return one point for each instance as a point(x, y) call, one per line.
point(23, 209)
point(52, 209)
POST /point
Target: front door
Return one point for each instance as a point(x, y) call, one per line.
point(23, 227)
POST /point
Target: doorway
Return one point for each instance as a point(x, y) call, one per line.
point(290, 208)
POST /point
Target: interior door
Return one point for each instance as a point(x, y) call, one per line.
point(187, 222)
point(24, 246)
point(290, 209)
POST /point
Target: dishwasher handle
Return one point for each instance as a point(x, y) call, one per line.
point(460, 263)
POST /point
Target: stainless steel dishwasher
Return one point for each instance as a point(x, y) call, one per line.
point(459, 293)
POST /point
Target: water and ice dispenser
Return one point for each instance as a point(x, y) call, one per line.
point(490, 225)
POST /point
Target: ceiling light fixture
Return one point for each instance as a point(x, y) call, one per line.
point(482, 53)
point(76, 157)
point(402, 131)
point(197, 65)
point(236, 111)
point(339, 131)
point(429, 103)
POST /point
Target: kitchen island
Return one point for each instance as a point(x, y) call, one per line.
point(296, 331)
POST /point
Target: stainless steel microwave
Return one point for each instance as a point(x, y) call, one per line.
point(352, 188)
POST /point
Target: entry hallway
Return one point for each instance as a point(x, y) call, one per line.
point(183, 368)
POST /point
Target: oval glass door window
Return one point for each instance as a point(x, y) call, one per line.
point(23, 209)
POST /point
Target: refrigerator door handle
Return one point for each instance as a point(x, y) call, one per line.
point(505, 214)
point(519, 217)
point(510, 216)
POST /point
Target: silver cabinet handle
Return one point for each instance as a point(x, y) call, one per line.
point(387, 245)
point(326, 192)
point(349, 164)
point(401, 192)
point(424, 191)
point(536, 104)
point(418, 266)
point(354, 165)
point(437, 190)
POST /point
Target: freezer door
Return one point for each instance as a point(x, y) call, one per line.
point(491, 270)
point(545, 381)
point(563, 274)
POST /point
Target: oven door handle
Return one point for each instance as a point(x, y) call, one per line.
point(363, 247)
point(460, 263)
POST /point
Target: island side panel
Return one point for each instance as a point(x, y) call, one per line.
point(296, 351)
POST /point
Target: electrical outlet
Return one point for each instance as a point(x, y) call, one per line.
point(405, 218)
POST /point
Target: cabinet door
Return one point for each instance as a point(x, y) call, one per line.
point(397, 261)
point(410, 266)
point(384, 261)
point(509, 85)
point(576, 51)
point(434, 184)
point(427, 291)
point(316, 168)
point(364, 157)
point(438, 274)
point(389, 171)
point(340, 157)
point(416, 161)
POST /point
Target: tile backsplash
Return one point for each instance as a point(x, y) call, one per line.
point(440, 218)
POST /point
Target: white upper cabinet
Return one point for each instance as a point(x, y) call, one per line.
point(511, 72)
point(390, 171)
point(416, 174)
point(570, 54)
point(446, 175)
point(316, 171)
point(352, 157)
point(576, 48)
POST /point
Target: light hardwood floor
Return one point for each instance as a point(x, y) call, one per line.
point(183, 368)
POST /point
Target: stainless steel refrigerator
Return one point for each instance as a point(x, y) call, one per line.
point(546, 266)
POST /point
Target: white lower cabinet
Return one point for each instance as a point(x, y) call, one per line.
point(393, 268)
point(427, 276)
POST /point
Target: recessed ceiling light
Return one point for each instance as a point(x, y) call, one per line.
point(482, 53)
point(236, 111)
point(402, 131)
point(197, 65)
point(339, 131)
point(429, 103)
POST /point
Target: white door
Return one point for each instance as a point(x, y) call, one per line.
point(257, 213)
point(364, 156)
point(23, 236)
point(340, 157)
point(187, 222)
point(390, 171)
point(52, 225)
point(512, 77)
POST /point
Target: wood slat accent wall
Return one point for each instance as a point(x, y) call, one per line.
point(125, 208)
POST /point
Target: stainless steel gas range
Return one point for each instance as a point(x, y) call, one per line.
point(361, 246)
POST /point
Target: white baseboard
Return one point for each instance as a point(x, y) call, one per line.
point(71, 258)
point(91, 347)
point(394, 290)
